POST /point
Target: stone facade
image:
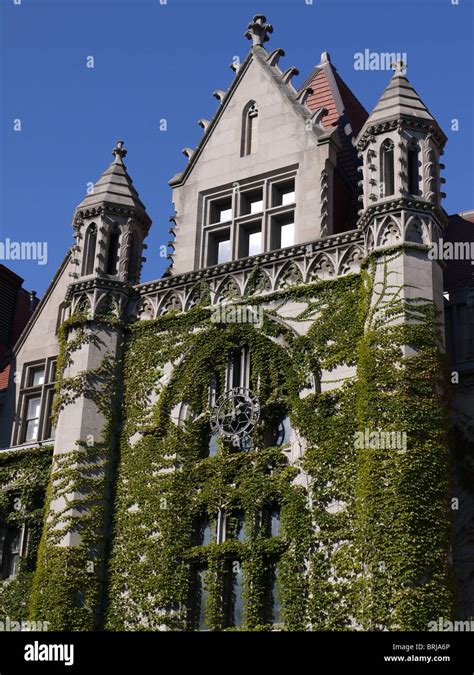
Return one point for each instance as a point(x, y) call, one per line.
point(258, 213)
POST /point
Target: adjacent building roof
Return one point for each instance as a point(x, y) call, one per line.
point(459, 274)
point(16, 307)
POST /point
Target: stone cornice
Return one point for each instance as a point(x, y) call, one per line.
point(112, 209)
point(98, 283)
point(405, 121)
point(408, 204)
point(319, 245)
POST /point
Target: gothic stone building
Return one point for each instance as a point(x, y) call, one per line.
point(273, 435)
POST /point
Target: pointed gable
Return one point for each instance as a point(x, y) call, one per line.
point(273, 80)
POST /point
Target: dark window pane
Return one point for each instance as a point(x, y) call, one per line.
point(89, 250)
point(235, 526)
point(202, 599)
point(213, 445)
point(11, 552)
point(233, 602)
point(413, 177)
point(275, 521)
point(112, 256)
point(388, 170)
point(275, 599)
point(202, 533)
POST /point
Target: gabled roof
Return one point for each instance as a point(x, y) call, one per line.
point(114, 187)
point(331, 92)
point(346, 114)
point(296, 99)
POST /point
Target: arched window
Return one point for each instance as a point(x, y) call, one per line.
point(133, 259)
point(387, 167)
point(413, 176)
point(112, 255)
point(89, 250)
point(249, 129)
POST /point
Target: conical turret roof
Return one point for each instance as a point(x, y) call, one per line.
point(114, 187)
point(399, 101)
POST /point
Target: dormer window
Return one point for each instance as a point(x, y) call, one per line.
point(249, 129)
point(387, 168)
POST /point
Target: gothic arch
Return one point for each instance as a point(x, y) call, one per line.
point(415, 231)
point(389, 232)
point(351, 260)
point(322, 267)
point(228, 289)
point(387, 168)
point(249, 129)
point(90, 245)
point(257, 281)
point(170, 303)
point(82, 305)
point(145, 310)
point(106, 304)
point(200, 294)
point(289, 275)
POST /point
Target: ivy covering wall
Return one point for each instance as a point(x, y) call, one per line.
point(24, 476)
point(364, 536)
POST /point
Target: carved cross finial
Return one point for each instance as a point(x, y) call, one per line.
point(399, 68)
point(119, 152)
point(258, 29)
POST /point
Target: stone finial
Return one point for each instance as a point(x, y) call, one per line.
point(274, 56)
point(258, 30)
point(289, 74)
point(399, 68)
point(219, 94)
point(317, 116)
point(119, 152)
point(303, 95)
point(325, 58)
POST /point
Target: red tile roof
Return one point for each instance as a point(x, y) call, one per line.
point(347, 114)
point(4, 376)
point(16, 307)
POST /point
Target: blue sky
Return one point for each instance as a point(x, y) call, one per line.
point(156, 60)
